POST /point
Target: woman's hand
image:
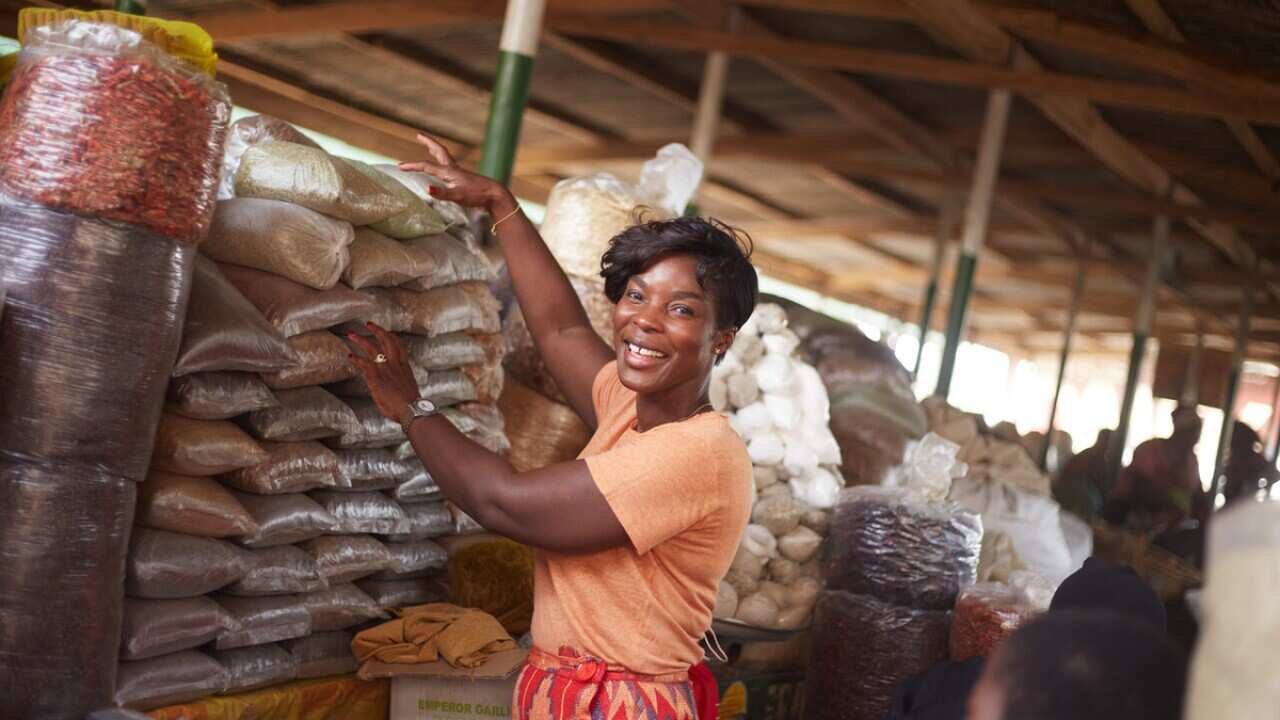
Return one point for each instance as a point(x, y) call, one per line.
point(386, 371)
point(461, 186)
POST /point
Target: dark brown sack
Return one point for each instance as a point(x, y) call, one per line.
point(307, 413)
point(203, 447)
point(219, 395)
point(322, 359)
point(224, 331)
point(191, 505)
point(294, 308)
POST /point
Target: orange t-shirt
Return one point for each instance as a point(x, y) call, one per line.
point(682, 491)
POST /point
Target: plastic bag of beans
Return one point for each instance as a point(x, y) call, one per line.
point(280, 570)
point(364, 468)
point(164, 565)
point(466, 306)
point(417, 219)
point(443, 352)
point(372, 428)
point(322, 359)
point(881, 543)
point(293, 308)
point(443, 387)
point(405, 593)
point(250, 131)
point(306, 413)
point(191, 505)
point(863, 648)
point(263, 620)
point(423, 521)
point(282, 239)
point(292, 467)
point(453, 263)
point(340, 607)
point(418, 183)
point(344, 558)
point(259, 666)
point(168, 679)
point(985, 614)
point(419, 488)
point(203, 447)
point(219, 395)
point(379, 261)
point(414, 559)
point(160, 627)
point(285, 519)
point(323, 654)
point(362, 512)
point(224, 331)
point(312, 178)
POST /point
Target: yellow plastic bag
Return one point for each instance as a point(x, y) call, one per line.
point(183, 40)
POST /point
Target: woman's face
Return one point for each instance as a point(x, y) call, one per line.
point(665, 328)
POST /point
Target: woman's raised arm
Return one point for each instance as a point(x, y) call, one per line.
point(557, 321)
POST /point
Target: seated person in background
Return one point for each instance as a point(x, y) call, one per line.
point(1081, 486)
point(1083, 665)
point(1161, 487)
point(942, 692)
point(1247, 470)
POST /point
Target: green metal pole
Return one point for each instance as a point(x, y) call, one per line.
point(977, 217)
point(1068, 334)
point(948, 214)
point(1141, 333)
point(133, 7)
point(1233, 388)
point(519, 44)
point(1273, 428)
point(1191, 379)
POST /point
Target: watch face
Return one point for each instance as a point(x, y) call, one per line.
point(423, 407)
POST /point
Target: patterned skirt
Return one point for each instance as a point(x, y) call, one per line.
point(568, 686)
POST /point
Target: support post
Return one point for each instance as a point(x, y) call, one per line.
point(977, 218)
point(948, 215)
point(133, 7)
point(1068, 334)
point(1141, 332)
point(1273, 428)
point(1233, 389)
point(520, 30)
point(706, 119)
point(1191, 381)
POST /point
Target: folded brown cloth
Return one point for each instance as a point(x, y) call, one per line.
point(460, 636)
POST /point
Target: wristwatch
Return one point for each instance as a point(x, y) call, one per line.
point(419, 408)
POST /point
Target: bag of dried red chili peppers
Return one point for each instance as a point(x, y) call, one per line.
point(985, 615)
point(100, 122)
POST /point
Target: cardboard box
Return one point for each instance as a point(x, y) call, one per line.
point(438, 691)
point(761, 696)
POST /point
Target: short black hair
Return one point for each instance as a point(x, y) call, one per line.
point(724, 262)
point(1090, 664)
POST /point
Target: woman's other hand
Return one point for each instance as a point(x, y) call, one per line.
point(386, 371)
point(461, 186)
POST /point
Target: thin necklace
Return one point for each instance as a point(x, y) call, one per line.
point(635, 425)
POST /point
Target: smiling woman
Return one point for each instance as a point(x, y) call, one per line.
point(635, 535)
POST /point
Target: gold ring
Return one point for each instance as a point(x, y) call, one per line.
point(380, 359)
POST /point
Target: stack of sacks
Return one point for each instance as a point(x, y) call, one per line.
point(874, 413)
point(106, 188)
point(1025, 525)
point(777, 403)
point(897, 559)
point(583, 215)
point(288, 511)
